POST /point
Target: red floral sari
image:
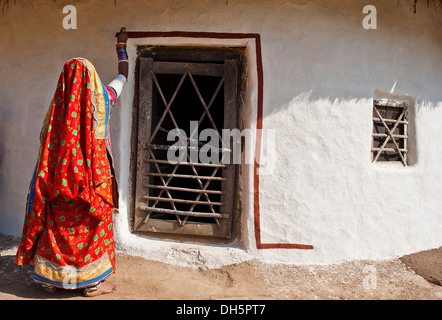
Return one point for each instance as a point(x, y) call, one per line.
point(68, 233)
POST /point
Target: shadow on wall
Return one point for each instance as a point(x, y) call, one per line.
point(332, 56)
point(17, 282)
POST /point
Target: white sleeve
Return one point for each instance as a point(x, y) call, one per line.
point(118, 83)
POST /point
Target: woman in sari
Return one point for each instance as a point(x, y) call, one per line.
point(67, 236)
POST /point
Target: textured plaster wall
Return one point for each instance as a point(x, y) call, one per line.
point(321, 70)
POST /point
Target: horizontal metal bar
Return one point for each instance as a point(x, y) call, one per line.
point(183, 137)
point(184, 189)
point(184, 201)
point(172, 147)
point(389, 103)
point(185, 163)
point(389, 149)
point(199, 69)
point(186, 176)
point(402, 136)
point(145, 207)
point(390, 120)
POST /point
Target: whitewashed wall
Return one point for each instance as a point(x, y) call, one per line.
point(321, 69)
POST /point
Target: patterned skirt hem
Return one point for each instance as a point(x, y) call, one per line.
point(70, 277)
point(70, 286)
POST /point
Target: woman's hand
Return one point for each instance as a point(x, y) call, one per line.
point(122, 35)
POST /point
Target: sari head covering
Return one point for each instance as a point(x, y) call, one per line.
point(68, 233)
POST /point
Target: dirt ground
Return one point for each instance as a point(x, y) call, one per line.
point(413, 277)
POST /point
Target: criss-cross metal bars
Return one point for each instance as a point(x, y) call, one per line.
point(390, 125)
point(165, 178)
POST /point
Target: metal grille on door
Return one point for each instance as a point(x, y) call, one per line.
point(188, 196)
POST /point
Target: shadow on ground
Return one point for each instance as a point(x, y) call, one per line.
point(16, 282)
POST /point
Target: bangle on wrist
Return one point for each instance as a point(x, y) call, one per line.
point(121, 52)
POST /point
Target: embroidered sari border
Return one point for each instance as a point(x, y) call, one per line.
point(70, 277)
point(71, 286)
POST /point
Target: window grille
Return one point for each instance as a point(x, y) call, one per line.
point(187, 197)
point(390, 131)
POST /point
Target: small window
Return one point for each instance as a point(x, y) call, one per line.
point(390, 131)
